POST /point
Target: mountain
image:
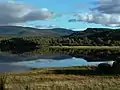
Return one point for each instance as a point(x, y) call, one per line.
point(91, 37)
point(29, 31)
point(96, 33)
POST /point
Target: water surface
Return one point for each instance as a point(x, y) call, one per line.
point(10, 62)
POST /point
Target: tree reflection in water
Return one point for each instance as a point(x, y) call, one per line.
point(90, 55)
point(93, 55)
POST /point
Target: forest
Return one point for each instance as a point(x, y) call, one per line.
point(89, 37)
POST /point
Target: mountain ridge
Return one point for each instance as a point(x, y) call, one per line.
point(30, 31)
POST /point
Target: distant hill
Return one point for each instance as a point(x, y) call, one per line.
point(96, 33)
point(28, 31)
point(91, 37)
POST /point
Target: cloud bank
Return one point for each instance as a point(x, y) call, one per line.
point(106, 13)
point(11, 13)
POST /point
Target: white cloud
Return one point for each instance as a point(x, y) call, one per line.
point(11, 13)
point(106, 13)
point(46, 26)
point(108, 6)
point(104, 19)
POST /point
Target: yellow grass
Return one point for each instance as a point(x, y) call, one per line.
point(42, 80)
point(87, 47)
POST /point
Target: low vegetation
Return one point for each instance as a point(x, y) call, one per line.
point(59, 79)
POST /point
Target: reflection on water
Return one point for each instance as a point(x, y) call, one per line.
point(7, 67)
point(49, 57)
point(60, 63)
point(91, 54)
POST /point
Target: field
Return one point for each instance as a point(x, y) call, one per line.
point(87, 47)
point(71, 78)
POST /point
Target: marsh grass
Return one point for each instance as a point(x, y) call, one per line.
point(3, 79)
point(47, 79)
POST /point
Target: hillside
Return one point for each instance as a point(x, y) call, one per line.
point(28, 31)
point(91, 37)
point(103, 33)
point(89, 32)
point(65, 37)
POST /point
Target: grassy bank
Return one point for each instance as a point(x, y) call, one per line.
point(87, 47)
point(69, 78)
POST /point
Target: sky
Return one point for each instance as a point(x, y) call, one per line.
point(72, 14)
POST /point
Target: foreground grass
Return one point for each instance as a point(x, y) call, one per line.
point(57, 79)
point(87, 47)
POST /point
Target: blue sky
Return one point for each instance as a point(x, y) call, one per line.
point(64, 7)
point(65, 10)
